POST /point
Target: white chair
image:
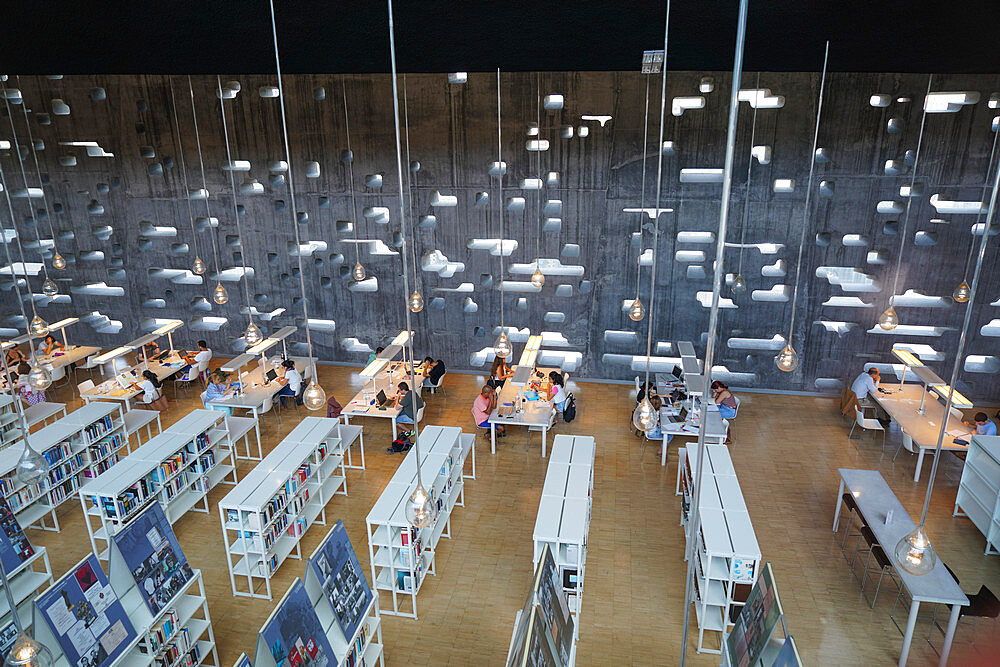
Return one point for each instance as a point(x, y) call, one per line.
point(86, 385)
point(420, 413)
point(907, 444)
point(435, 387)
point(202, 370)
point(868, 424)
point(88, 364)
point(57, 372)
point(190, 375)
point(738, 401)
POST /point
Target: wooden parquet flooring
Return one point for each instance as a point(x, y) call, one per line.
point(786, 454)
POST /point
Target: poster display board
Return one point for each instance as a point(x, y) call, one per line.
point(243, 661)
point(544, 632)
point(788, 656)
point(14, 545)
point(83, 616)
point(344, 584)
point(154, 557)
point(293, 636)
point(756, 622)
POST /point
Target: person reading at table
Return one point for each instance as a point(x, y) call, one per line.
point(49, 345)
point(724, 399)
point(405, 400)
point(483, 407)
point(499, 373)
point(433, 370)
point(150, 387)
point(557, 394)
point(216, 388)
point(866, 384)
point(291, 381)
point(982, 424)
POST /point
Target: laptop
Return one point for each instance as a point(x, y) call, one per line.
point(162, 355)
point(270, 375)
point(381, 400)
point(678, 418)
point(677, 372)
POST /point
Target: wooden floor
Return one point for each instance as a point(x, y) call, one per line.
point(786, 454)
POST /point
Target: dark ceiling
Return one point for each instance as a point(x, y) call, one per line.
point(208, 36)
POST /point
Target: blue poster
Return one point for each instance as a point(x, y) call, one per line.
point(293, 634)
point(788, 656)
point(85, 616)
point(154, 556)
point(243, 661)
point(344, 584)
point(14, 545)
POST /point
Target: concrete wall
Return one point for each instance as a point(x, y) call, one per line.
point(453, 136)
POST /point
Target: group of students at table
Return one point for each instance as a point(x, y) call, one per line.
point(551, 388)
point(18, 365)
point(867, 383)
point(721, 395)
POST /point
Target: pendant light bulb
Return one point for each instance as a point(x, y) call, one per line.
point(58, 262)
point(31, 467)
point(644, 416)
point(502, 346)
point(38, 328)
point(538, 278)
point(253, 335)
point(888, 320)
point(359, 272)
point(220, 295)
point(962, 292)
point(739, 285)
point(314, 397)
point(636, 311)
point(787, 360)
point(915, 553)
point(420, 508)
point(415, 302)
point(26, 652)
point(199, 266)
point(49, 288)
point(39, 378)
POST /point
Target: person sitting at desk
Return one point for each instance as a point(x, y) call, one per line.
point(203, 355)
point(433, 370)
point(499, 373)
point(15, 357)
point(150, 349)
point(983, 424)
point(373, 355)
point(216, 388)
point(404, 399)
point(558, 392)
point(49, 345)
point(866, 384)
point(25, 390)
point(483, 407)
point(291, 380)
point(649, 388)
point(724, 399)
point(151, 387)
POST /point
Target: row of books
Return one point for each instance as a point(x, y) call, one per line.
point(204, 463)
point(173, 487)
point(298, 502)
point(159, 634)
point(26, 495)
point(274, 531)
point(59, 492)
point(170, 466)
point(298, 527)
point(180, 651)
point(101, 466)
point(298, 478)
point(105, 446)
point(65, 469)
point(129, 500)
point(200, 485)
point(54, 455)
point(355, 659)
point(273, 507)
point(98, 428)
point(8, 484)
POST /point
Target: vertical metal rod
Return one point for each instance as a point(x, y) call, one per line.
point(500, 170)
point(184, 175)
point(642, 187)
point(727, 183)
point(204, 184)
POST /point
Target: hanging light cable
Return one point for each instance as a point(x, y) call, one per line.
point(58, 262)
point(788, 359)
point(313, 397)
point(537, 277)
point(502, 347)
point(49, 288)
point(416, 302)
point(644, 417)
point(219, 294)
point(252, 335)
point(358, 273)
point(713, 322)
point(636, 310)
point(962, 292)
point(420, 508)
point(198, 266)
point(914, 552)
point(889, 320)
point(739, 285)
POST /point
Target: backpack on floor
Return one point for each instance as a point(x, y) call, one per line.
point(569, 410)
point(401, 444)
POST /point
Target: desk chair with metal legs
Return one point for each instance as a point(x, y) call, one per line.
point(876, 552)
point(867, 424)
point(983, 604)
point(852, 520)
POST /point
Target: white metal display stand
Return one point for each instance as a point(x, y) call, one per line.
point(30, 578)
point(265, 515)
point(401, 556)
point(979, 491)
point(172, 467)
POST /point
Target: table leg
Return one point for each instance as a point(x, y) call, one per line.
point(260, 451)
point(493, 438)
point(950, 634)
point(836, 515)
point(911, 623)
point(545, 431)
point(394, 429)
point(663, 450)
point(920, 462)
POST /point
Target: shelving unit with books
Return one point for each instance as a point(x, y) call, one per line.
point(77, 448)
point(27, 567)
point(979, 490)
point(265, 515)
point(400, 555)
point(727, 555)
point(10, 425)
point(177, 467)
point(563, 521)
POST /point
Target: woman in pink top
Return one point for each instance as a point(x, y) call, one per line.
point(483, 407)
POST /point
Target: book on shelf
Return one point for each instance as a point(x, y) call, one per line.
point(161, 632)
point(54, 455)
point(98, 428)
point(105, 446)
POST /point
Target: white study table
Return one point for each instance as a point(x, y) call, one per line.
point(924, 428)
point(875, 499)
point(73, 354)
point(363, 403)
point(535, 414)
point(715, 432)
point(110, 390)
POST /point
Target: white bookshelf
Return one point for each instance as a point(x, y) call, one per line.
point(177, 467)
point(78, 447)
point(402, 556)
point(978, 496)
point(29, 579)
point(563, 520)
point(265, 515)
point(10, 425)
point(727, 555)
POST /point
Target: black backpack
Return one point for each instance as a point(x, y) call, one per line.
point(569, 410)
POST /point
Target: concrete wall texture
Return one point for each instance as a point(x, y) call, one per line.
point(123, 223)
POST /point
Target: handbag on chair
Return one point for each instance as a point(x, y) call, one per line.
point(159, 404)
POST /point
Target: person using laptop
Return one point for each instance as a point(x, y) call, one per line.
point(150, 349)
point(15, 357)
point(216, 389)
point(483, 407)
point(499, 373)
point(404, 399)
point(982, 424)
point(558, 391)
point(203, 355)
point(291, 381)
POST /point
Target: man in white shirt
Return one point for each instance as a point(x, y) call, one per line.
point(202, 356)
point(292, 380)
point(865, 385)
